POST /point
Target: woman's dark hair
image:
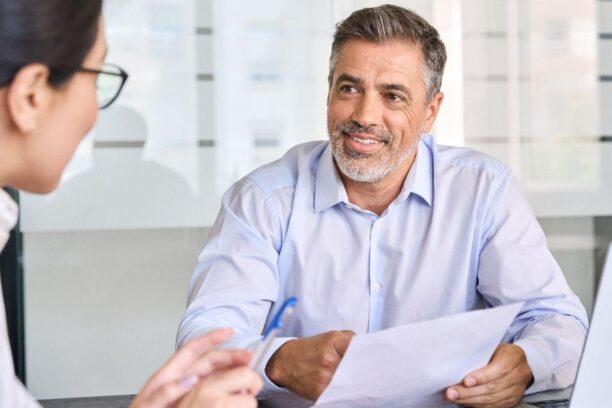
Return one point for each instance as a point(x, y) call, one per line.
point(56, 33)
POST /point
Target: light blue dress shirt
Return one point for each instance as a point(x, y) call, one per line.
point(460, 236)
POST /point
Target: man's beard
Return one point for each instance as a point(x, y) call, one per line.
point(366, 168)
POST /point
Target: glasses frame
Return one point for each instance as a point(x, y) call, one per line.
point(121, 74)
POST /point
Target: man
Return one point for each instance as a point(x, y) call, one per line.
point(381, 227)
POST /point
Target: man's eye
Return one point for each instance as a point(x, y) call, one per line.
point(392, 97)
point(347, 89)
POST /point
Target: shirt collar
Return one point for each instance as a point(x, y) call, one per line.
point(8, 216)
point(421, 175)
point(329, 189)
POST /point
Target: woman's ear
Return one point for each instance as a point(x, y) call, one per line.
point(27, 96)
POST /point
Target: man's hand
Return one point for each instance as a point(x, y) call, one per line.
point(500, 384)
point(306, 366)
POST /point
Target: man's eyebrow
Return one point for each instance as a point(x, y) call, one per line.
point(394, 87)
point(350, 78)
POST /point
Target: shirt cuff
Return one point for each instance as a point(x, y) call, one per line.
point(269, 386)
point(539, 370)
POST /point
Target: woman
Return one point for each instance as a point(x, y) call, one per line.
point(51, 62)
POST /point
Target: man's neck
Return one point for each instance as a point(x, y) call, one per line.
point(376, 197)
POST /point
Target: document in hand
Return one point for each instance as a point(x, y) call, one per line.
point(412, 365)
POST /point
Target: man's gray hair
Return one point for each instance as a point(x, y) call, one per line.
point(392, 23)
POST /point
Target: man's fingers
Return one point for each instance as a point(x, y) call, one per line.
point(505, 398)
point(234, 380)
point(219, 359)
point(342, 340)
point(460, 392)
point(491, 372)
point(500, 381)
point(499, 367)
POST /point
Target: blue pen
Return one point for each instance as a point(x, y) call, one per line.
point(285, 311)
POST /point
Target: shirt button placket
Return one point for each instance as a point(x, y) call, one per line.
point(375, 285)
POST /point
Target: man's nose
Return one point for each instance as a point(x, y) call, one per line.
point(367, 112)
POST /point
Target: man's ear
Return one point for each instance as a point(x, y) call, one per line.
point(431, 111)
point(27, 95)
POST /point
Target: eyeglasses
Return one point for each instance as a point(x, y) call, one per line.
point(109, 83)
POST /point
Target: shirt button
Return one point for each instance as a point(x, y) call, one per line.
point(376, 287)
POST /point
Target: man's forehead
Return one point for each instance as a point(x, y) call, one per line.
point(384, 61)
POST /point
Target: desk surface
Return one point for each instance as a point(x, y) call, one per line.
point(113, 401)
point(123, 401)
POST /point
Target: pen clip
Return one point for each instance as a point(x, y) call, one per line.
point(285, 310)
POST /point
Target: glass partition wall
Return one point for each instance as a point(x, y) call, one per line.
point(218, 88)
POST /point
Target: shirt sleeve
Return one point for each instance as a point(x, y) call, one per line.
point(12, 391)
point(515, 265)
point(18, 396)
point(236, 282)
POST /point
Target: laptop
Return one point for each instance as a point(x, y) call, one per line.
point(593, 385)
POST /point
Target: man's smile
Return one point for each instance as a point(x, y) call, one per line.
point(362, 143)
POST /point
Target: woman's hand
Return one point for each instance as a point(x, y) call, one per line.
point(235, 388)
point(197, 360)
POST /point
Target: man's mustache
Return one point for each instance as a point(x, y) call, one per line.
point(381, 135)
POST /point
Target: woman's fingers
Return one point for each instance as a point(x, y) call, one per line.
point(209, 399)
point(241, 401)
point(166, 395)
point(233, 381)
point(219, 360)
point(194, 349)
point(176, 367)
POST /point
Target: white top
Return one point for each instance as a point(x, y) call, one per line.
point(12, 392)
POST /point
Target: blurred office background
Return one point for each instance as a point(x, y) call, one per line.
point(218, 88)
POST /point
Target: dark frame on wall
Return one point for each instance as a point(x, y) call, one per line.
point(11, 272)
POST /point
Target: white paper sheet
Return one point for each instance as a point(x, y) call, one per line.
point(411, 365)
